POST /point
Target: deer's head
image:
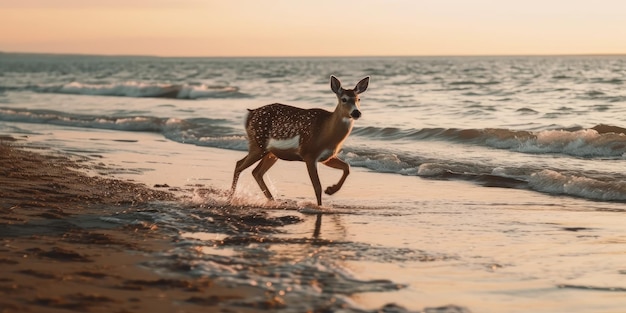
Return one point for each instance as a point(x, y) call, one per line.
point(348, 102)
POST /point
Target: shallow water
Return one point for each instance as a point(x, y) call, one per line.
point(415, 242)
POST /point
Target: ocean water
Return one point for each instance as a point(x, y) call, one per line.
point(551, 128)
point(549, 124)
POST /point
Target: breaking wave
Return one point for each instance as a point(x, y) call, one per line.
point(601, 141)
point(582, 184)
point(143, 90)
point(198, 131)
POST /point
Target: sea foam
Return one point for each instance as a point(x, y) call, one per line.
point(145, 89)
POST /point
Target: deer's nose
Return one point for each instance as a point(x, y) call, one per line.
point(355, 114)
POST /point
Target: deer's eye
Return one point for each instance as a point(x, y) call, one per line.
point(344, 100)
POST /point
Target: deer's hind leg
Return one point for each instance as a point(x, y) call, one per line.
point(266, 163)
point(251, 158)
point(338, 164)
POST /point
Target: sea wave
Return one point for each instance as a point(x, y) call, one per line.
point(198, 131)
point(574, 184)
point(588, 185)
point(137, 89)
point(600, 141)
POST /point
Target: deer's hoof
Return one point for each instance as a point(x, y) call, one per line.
point(331, 190)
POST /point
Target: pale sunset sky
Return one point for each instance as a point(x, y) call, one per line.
point(313, 28)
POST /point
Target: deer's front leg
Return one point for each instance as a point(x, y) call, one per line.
point(311, 166)
point(334, 162)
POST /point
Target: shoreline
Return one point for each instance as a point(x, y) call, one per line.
point(79, 234)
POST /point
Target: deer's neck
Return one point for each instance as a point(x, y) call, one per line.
point(338, 127)
point(341, 122)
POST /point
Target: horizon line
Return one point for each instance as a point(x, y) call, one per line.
point(316, 56)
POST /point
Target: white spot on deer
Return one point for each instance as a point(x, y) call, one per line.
point(284, 144)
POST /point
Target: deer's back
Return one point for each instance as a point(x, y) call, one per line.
point(281, 122)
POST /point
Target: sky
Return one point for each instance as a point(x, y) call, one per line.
point(313, 28)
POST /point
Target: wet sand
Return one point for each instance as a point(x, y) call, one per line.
point(59, 254)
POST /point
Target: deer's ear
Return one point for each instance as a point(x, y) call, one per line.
point(335, 84)
point(362, 85)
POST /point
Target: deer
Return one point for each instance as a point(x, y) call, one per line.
point(279, 131)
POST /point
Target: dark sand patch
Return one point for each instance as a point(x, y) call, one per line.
point(57, 254)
